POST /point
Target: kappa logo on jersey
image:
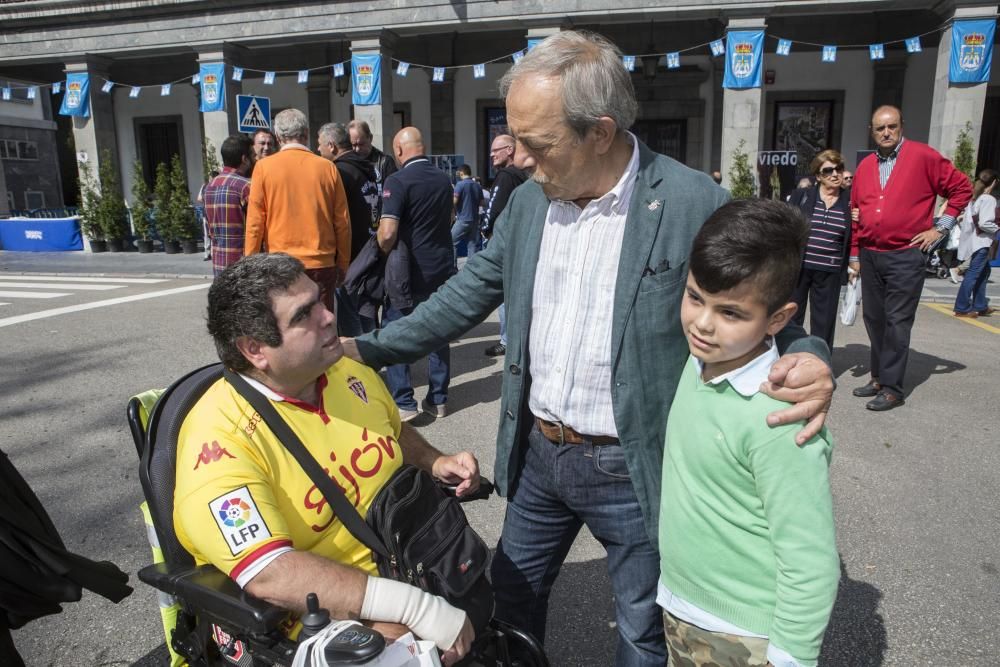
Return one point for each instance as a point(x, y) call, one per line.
point(209, 454)
point(237, 517)
point(358, 387)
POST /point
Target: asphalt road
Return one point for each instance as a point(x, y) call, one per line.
point(914, 489)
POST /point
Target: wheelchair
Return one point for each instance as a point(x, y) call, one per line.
point(209, 620)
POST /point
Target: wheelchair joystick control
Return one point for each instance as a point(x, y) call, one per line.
point(315, 619)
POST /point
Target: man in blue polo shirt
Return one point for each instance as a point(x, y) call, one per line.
point(416, 211)
point(468, 199)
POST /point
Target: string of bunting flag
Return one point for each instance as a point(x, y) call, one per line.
point(971, 59)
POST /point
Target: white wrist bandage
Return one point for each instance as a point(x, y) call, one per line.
point(429, 616)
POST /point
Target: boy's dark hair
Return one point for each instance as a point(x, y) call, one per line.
point(234, 148)
point(239, 304)
point(756, 240)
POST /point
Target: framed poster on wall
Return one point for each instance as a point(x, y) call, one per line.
point(804, 127)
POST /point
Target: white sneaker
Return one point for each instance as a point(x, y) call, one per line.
point(408, 415)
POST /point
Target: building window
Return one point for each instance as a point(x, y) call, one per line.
point(34, 199)
point(12, 149)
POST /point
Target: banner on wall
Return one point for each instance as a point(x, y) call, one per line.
point(212, 80)
point(971, 51)
point(76, 101)
point(744, 57)
point(366, 80)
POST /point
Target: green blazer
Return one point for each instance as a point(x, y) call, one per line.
point(648, 349)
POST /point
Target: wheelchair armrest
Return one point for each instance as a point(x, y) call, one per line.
point(205, 589)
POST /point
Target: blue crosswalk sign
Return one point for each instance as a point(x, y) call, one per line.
point(254, 113)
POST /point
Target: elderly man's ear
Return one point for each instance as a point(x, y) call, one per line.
point(604, 132)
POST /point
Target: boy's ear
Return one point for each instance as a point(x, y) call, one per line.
point(779, 318)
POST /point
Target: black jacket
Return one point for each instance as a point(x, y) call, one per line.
point(385, 165)
point(805, 200)
point(363, 201)
point(374, 278)
point(508, 178)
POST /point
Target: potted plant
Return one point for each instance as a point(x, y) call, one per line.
point(965, 156)
point(87, 209)
point(181, 213)
point(161, 210)
point(111, 211)
point(741, 181)
point(141, 209)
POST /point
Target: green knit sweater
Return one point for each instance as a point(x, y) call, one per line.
point(746, 519)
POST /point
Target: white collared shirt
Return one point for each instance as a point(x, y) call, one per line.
point(746, 380)
point(573, 306)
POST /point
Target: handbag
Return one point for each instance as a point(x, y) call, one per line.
point(417, 534)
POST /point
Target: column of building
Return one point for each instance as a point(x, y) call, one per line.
point(217, 125)
point(741, 112)
point(378, 116)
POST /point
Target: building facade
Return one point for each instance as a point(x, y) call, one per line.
point(805, 104)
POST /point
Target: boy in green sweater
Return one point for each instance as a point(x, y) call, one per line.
point(749, 567)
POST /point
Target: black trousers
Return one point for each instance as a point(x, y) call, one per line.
point(821, 289)
point(891, 283)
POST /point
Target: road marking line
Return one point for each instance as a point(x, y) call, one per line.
point(81, 279)
point(33, 295)
point(18, 319)
point(950, 312)
point(74, 286)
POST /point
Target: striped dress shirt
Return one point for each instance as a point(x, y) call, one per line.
point(573, 306)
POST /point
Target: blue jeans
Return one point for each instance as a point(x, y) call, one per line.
point(348, 319)
point(398, 376)
point(972, 292)
point(467, 230)
point(561, 489)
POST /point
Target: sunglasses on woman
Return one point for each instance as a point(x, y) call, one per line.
point(827, 171)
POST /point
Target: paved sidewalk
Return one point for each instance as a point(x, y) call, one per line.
point(161, 265)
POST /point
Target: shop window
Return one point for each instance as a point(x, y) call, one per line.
point(34, 199)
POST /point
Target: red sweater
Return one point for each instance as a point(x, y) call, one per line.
point(890, 218)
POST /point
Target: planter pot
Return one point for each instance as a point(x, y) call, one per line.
point(171, 247)
point(98, 245)
point(189, 246)
point(115, 245)
point(144, 246)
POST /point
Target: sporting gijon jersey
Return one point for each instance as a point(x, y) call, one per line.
point(241, 498)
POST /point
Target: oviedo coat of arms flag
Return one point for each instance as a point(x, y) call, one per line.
point(366, 73)
point(971, 51)
point(212, 82)
point(76, 100)
point(744, 55)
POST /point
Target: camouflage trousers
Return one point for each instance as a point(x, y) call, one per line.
point(690, 646)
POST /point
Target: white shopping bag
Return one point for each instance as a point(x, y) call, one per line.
point(850, 302)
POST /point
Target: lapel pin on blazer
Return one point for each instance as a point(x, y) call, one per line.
point(653, 205)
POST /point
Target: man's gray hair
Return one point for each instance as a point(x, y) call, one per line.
point(336, 133)
point(595, 83)
point(291, 124)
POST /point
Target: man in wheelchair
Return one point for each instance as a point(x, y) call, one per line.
point(241, 501)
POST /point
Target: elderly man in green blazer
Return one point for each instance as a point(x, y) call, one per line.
point(591, 259)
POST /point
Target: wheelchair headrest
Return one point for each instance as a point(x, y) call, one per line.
point(158, 466)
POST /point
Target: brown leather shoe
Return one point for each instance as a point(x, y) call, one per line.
point(971, 314)
point(869, 390)
point(986, 312)
point(885, 401)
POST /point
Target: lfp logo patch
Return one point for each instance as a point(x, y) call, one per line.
point(239, 520)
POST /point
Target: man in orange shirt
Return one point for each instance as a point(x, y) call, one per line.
point(298, 206)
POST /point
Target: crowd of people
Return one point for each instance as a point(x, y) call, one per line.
point(615, 324)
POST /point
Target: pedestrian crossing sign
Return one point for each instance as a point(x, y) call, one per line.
point(254, 113)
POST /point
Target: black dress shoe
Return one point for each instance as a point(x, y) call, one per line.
point(497, 350)
point(869, 390)
point(884, 401)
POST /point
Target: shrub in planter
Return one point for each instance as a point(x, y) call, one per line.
point(161, 205)
point(111, 212)
point(89, 200)
point(181, 214)
point(141, 209)
point(741, 181)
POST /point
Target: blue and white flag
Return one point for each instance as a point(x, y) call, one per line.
point(913, 45)
point(402, 68)
point(237, 74)
point(745, 55)
point(303, 76)
point(32, 92)
point(134, 92)
point(517, 57)
point(534, 41)
point(77, 99)
point(366, 79)
point(971, 51)
point(438, 75)
point(718, 48)
point(479, 71)
point(196, 79)
point(108, 85)
point(784, 47)
point(673, 60)
point(268, 78)
point(829, 54)
point(5, 93)
point(213, 87)
point(165, 90)
point(338, 69)
point(57, 87)
point(876, 51)
point(629, 62)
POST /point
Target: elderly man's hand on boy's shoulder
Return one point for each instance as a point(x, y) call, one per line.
point(805, 380)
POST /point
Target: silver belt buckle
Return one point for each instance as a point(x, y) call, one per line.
point(562, 434)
